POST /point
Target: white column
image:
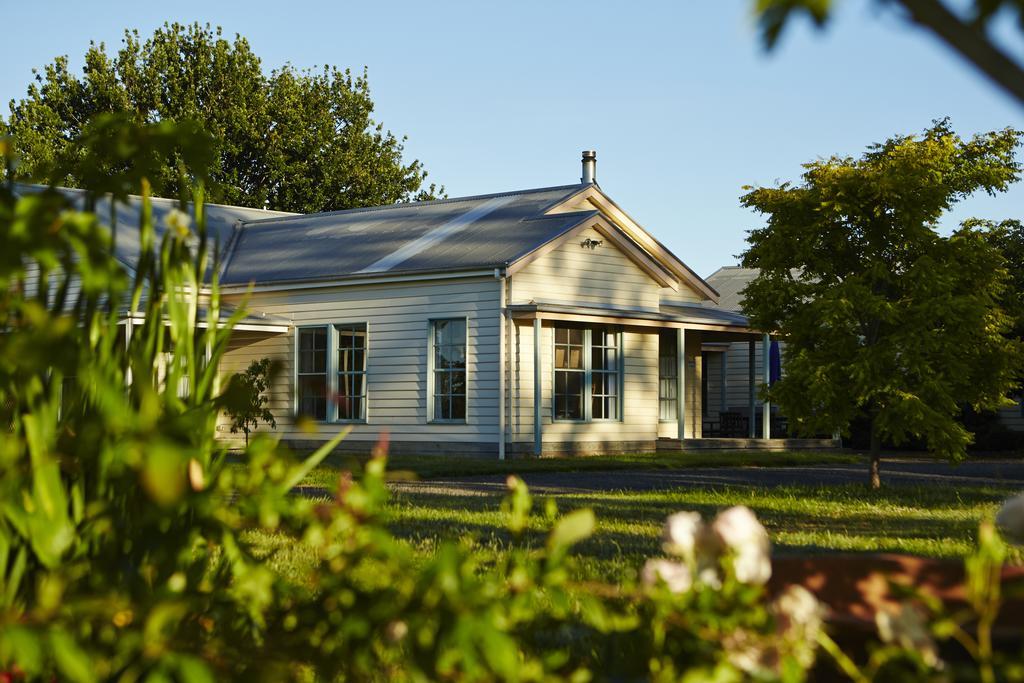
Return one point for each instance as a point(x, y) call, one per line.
point(681, 382)
point(127, 347)
point(723, 398)
point(537, 389)
point(766, 359)
point(502, 352)
point(751, 375)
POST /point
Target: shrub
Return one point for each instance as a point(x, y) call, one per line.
point(251, 402)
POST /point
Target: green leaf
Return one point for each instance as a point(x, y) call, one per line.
point(71, 660)
point(23, 647)
point(572, 529)
point(194, 670)
point(302, 471)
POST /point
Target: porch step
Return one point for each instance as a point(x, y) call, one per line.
point(725, 444)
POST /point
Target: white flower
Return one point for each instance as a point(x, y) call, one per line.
point(1010, 519)
point(908, 629)
point(675, 575)
point(799, 607)
point(178, 221)
point(798, 621)
point(682, 533)
point(739, 531)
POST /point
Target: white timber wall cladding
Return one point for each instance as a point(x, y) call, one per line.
point(1013, 417)
point(684, 295)
point(574, 274)
point(737, 381)
point(397, 317)
point(639, 423)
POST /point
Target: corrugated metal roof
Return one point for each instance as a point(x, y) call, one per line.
point(450, 234)
point(730, 281)
point(220, 219)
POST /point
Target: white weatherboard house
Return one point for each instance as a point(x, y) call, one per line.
point(540, 321)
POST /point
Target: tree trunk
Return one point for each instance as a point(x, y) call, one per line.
point(876, 458)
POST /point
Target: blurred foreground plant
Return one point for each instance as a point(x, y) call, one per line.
point(129, 551)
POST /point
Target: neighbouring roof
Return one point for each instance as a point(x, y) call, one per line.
point(730, 281)
point(485, 231)
point(221, 220)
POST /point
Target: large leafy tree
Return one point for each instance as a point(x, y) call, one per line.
point(885, 318)
point(290, 140)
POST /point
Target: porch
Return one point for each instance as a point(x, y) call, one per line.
point(680, 337)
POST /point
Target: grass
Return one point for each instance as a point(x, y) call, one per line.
point(929, 521)
point(428, 467)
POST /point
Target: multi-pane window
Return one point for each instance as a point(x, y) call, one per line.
point(351, 371)
point(587, 374)
point(448, 342)
point(311, 368)
point(331, 385)
point(668, 376)
point(604, 372)
point(570, 373)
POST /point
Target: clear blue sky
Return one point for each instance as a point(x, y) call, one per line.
point(679, 100)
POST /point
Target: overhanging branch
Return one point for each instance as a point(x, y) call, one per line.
point(971, 42)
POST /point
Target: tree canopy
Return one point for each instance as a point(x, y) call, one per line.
point(884, 317)
point(292, 140)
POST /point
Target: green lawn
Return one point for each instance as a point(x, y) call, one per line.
point(938, 522)
point(429, 466)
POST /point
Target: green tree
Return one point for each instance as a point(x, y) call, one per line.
point(292, 140)
point(252, 403)
point(966, 27)
point(884, 318)
point(1008, 237)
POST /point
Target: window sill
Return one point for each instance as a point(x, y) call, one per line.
point(447, 422)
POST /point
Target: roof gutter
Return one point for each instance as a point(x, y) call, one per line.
point(353, 280)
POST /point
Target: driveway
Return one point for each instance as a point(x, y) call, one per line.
point(895, 472)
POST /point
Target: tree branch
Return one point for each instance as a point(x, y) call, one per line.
point(971, 42)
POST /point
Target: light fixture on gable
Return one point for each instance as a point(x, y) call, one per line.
point(591, 243)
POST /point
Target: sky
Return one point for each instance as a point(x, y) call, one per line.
point(681, 102)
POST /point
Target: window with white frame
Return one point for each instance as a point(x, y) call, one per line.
point(330, 377)
point(311, 372)
point(668, 376)
point(448, 370)
point(570, 373)
point(351, 372)
point(604, 375)
point(588, 374)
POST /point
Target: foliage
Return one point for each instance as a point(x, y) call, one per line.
point(252, 403)
point(969, 28)
point(127, 545)
point(293, 140)
point(1008, 237)
point(882, 316)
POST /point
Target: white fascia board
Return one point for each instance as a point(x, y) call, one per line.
point(354, 281)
